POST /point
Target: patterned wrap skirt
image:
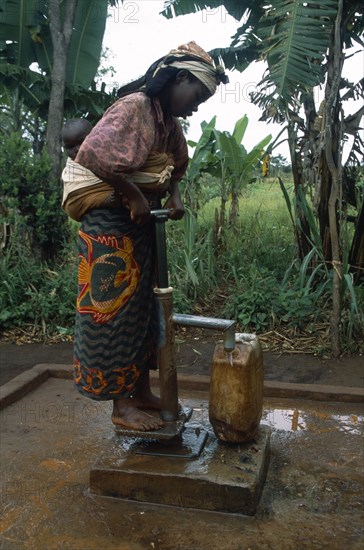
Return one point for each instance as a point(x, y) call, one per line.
point(116, 318)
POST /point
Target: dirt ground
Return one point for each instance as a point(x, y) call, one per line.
point(194, 351)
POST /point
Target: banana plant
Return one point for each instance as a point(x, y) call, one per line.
point(224, 156)
point(64, 39)
point(25, 38)
point(239, 163)
point(304, 45)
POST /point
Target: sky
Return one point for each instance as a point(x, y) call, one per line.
point(137, 35)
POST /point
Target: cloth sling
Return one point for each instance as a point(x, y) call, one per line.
point(84, 191)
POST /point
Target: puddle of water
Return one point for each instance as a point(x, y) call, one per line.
point(295, 420)
point(285, 419)
point(352, 423)
point(313, 419)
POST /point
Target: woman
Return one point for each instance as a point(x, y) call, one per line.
point(139, 149)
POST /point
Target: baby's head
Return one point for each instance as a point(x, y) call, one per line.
point(73, 133)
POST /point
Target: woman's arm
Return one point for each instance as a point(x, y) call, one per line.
point(174, 202)
point(118, 145)
point(137, 203)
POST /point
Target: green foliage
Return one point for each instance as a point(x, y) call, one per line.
point(314, 274)
point(262, 233)
point(263, 302)
point(25, 42)
point(291, 35)
point(181, 302)
point(265, 287)
point(304, 45)
point(36, 294)
point(31, 199)
point(352, 311)
point(26, 39)
point(253, 300)
point(190, 257)
point(202, 155)
point(223, 156)
point(295, 50)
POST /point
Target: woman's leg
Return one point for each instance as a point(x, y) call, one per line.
point(143, 397)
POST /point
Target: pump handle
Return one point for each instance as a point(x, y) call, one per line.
point(161, 215)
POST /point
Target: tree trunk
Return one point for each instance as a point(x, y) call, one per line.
point(302, 229)
point(333, 159)
point(16, 115)
point(325, 170)
point(234, 206)
point(61, 33)
point(323, 208)
point(217, 233)
point(223, 204)
point(37, 138)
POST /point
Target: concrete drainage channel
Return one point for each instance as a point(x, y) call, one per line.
point(52, 439)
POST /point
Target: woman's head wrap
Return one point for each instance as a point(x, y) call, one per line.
point(189, 57)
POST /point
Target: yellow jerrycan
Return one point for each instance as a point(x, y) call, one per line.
point(236, 390)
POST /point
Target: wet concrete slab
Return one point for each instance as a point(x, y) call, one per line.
point(223, 478)
point(52, 437)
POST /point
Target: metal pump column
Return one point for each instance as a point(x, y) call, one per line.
point(164, 294)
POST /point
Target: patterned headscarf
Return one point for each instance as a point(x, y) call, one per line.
point(189, 57)
point(194, 59)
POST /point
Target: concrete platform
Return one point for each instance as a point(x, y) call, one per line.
point(222, 478)
point(52, 437)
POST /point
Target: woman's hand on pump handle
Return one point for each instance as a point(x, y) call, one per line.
point(175, 206)
point(140, 210)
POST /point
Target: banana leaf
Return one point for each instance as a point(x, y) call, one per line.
point(19, 25)
point(295, 39)
point(240, 128)
point(25, 37)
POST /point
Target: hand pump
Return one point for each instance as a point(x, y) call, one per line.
point(164, 295)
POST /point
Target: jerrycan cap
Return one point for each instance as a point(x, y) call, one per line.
point(244, 338)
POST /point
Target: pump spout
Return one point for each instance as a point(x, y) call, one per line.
point(227, 326)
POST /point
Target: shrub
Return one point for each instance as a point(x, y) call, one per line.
point(31, 199)
point(32, 293)
point(252, 303)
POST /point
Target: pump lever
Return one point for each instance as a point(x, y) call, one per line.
point(161, 214)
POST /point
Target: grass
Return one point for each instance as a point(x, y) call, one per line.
point(252, 276)
point(256, 272)
point(263, 233)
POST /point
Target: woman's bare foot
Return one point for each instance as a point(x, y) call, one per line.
point(127, 415)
